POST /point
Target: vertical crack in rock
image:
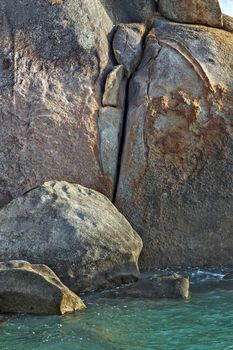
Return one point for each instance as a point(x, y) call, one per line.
point(145, 47)
point(178, 195)
point(122, 140)
point(127, 49)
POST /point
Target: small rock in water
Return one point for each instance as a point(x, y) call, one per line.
point(34, 289)
point(228, 276)
point(3, 319)
point(172, 286)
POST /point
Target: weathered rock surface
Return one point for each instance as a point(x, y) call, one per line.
point(113, 94)
point(110, 126)
point(127, 45)
point(228, 23)
point(192, 11)
point(53, 59)
point(34, 289)
point(77, 232)
point(173, 286)
point(176, 176)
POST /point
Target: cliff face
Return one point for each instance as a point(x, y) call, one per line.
point(52, 60)
point(156, 138)
point(176, 173)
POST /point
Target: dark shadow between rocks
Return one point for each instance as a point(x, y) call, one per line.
point(121, 11)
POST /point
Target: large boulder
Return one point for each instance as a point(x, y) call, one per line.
point(176, 175)
point(34, 289)
point(53, 63)
point(75, 231)
point(192, 11)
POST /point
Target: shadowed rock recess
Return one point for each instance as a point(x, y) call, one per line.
point(117, 98)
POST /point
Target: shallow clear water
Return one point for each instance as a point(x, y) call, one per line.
point(204, 322)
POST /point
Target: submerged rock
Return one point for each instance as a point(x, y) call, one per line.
point(3, 320)
point(228, 276)
point(173, 286)
point(34, 289)
point(192, 11)
point(75, 231)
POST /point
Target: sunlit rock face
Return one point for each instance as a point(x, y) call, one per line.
point(53, 59)
point(206, 12)
point(176, 175)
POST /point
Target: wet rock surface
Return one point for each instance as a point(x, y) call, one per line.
point(77, 232)
point(34, 289)
point(153, 287)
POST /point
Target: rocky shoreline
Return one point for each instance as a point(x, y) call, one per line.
point(115, 148)
point(80, 235)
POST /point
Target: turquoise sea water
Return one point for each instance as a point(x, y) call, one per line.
point(204, 322)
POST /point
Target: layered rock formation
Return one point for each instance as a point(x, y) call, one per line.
point(75, 231)
point(34, 289)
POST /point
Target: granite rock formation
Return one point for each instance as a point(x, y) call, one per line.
point(206, 12)
point(141, 112)
point(75, 231)
point(53, 58)
point(176, 174)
